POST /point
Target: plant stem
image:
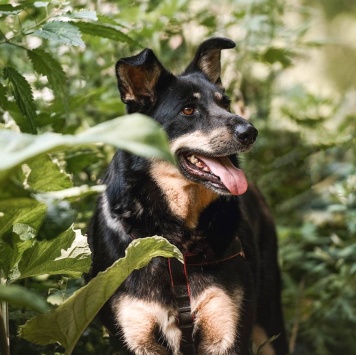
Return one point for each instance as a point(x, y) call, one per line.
point(4, 323)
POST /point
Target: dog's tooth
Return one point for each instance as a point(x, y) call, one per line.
point(193, 159)
point(206, 169)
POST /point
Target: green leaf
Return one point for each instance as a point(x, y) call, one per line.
point(281, 55)
point(3, 99)
point(83, 14)
point(66, 323)
point(45, 175)
point(22, 92)
point(44, 64)
point(20, 220)
point(61, 32)
point(10, 9)
point(66, 254)
point(23, 298)
point(135, 133)
point(21, 210)
point(95, 29)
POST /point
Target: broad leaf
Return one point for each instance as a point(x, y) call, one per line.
point(23, 298)
point(21, 210)
point(135, 133)
point(62, 32)
point(66, 323)
point(66, 254)
point(20, 220)
point(22, 92)
point(95, 29)
point(44, 175)
point(44, 64)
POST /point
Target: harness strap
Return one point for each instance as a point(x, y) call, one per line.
point(180, 285)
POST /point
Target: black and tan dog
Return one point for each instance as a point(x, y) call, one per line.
point(227, 293)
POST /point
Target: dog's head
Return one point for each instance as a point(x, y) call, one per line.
point(195, 112)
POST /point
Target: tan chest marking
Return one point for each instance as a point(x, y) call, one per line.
point(185, 198)
point(260, 337)
point(139, 319)
point(217, 317)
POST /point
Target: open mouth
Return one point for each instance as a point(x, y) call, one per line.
point(216, 172)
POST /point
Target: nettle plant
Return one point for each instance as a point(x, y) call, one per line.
point(42, 141)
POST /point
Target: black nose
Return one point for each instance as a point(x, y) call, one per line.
point(244, 131)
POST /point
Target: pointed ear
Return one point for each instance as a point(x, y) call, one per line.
point(207, 58)
point(137, 78)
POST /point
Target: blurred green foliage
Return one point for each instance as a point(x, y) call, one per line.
point(57, 75)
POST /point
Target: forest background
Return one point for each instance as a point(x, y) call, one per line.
point(294, 67)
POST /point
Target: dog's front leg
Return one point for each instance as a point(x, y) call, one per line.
point(216, 319)
point(140, 319)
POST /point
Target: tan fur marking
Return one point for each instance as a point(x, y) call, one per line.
point(197, 95)
point(185, 198)
point(202, 140)
point(218, 96)
point(139, 319)
point(217, 316)
point(260, 337)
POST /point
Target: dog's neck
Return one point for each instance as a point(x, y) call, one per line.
point(185, 198)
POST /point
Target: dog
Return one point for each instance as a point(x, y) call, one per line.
point(226, 295)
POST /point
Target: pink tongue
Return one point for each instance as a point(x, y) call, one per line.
point(233, 178)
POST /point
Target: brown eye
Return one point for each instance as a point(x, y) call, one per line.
point(188, 111)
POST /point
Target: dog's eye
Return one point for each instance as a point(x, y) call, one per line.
point(188, 110)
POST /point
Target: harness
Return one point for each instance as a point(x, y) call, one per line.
point(179, 278)
point(180, 284)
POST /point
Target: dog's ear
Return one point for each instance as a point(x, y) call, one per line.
point(207, 58)
point(137, 78)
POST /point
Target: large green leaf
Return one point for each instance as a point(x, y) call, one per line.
point(135, 133)
point(45, 64)
point(45, 175)
point(67, 254)
point(66, 323)
point(21, 297)
point(62, 32)
point(96, 29)
point(20, 220)
point(21, 210)
point(22, 92)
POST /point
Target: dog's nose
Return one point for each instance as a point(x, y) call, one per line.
point(243, 131)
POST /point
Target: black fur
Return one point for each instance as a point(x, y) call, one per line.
point(138, 205)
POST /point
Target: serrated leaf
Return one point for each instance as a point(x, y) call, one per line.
point(40, 3)
point(44, 175)
point(95, 29)
point(67, 254)
point(45, 64)
point(21, 210)
point(61, 32)
point(23, 298)
point(20, 220)
point(8, 9)
point(22, 92)
point(135, 133)
point(109, 21)
point(83, 14)
point(3, 100)
point(66, 323)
